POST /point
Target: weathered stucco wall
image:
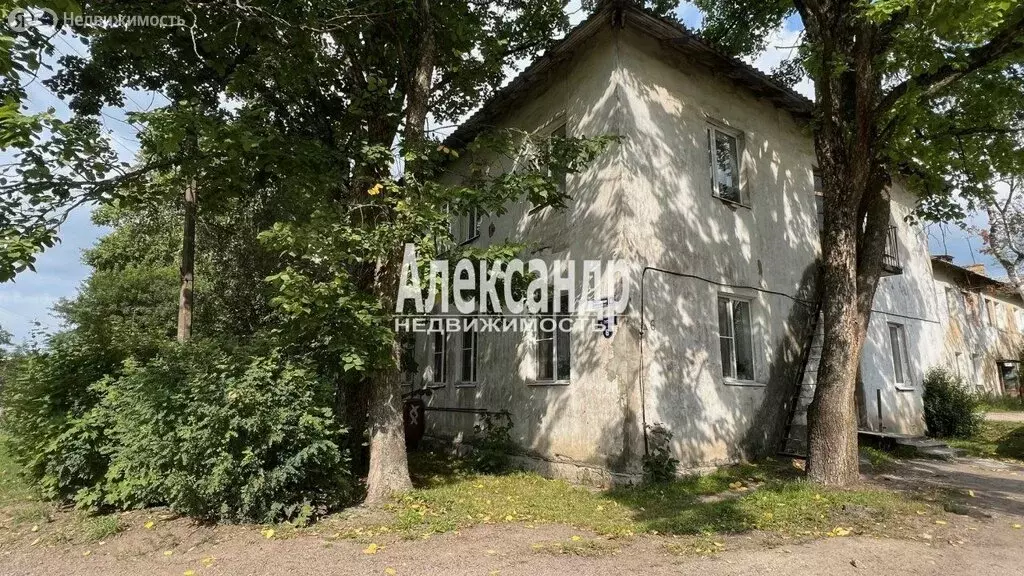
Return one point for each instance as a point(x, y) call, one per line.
point(975, 342)
point(579, 421)
point(648, 201)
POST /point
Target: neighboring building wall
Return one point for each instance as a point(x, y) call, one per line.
point(981, 326)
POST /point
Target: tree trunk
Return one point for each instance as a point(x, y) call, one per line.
point(389, 463)
point(188, 265)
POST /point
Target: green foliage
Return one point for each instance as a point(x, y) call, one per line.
point(220, 437)
point(950, 410)
point(659, 464)
point(493, 446)
point(212, 435)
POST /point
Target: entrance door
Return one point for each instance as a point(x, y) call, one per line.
point(1009, 377)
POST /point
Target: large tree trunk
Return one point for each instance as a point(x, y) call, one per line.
point(389, 464)
point(188, 265)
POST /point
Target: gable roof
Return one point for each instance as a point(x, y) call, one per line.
point(970, 280)
point(624, 13)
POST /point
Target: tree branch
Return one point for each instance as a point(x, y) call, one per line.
point(1007, 39)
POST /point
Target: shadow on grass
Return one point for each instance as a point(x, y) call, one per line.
point(770, 496)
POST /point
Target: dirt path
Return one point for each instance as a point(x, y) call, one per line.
point(1005, 416)
point(969, 546)
point(980, 540)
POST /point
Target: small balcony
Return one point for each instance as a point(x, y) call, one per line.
point(891, 256)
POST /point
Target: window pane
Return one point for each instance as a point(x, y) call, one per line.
point(440, 367)
point(562, 346)
point(545, 363)
point(468, 356)
point(726, 166)
point(897, 360)
point(727, 361)
point(724, 326)
point(742, 339)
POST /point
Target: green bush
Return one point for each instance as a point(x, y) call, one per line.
point(493, 445)
point(950, 410)
point(659, 464)
point(212, 434)
point(46, 397)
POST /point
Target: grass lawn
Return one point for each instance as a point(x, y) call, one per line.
point(1001, 404)
point(995, 440)
point(768, 496)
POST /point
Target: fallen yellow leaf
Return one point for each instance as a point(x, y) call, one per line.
point(1017, 526)
point(208, 561)
point(375, 190)
point(190, 573)
point(268, 533)
point(87, 552)
point(168, 552)
point(940, 522)
point(149, 525)
point(576, 538)
point(390, 571)
point(371, 549)
point(35, 528)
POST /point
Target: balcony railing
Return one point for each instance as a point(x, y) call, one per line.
point(891, 255)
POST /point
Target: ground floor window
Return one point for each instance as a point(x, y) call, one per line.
point(440, 357)
point(553, 345)
point(735, 338)
point(898, 348)
point(469, 357)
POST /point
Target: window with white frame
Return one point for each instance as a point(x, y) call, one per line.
point(553, 344)
point(440, 358)
point(724, 159)
point(819, 199)
point(471, 225)
point(735, 337)
point(469, 357)
point(898, 348)
point(560, 177)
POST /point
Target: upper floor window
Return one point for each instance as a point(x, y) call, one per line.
point(819, 199)
point(724, 158)
point(898, 349)
point(471, 225)
point(735, 338)
point(560, 177)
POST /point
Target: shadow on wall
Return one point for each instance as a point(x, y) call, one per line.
point(770, 244)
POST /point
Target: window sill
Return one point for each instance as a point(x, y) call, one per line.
point(905, 388)
point(742, 383)
point(470, 240)
point(466, 385)
point(549, 383)
point(731, 203)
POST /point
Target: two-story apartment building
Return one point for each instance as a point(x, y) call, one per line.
point(710, 197)
point(982, 320)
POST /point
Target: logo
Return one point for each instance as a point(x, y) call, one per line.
point(21, 19)
point(511, 295)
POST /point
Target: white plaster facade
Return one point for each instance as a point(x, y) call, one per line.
point(648, 201)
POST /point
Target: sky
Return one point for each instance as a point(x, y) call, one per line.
point(25, 304)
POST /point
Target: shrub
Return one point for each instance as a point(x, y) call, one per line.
point(46, 397)
point(950, 410)
point(493, 445)
point(218, 437)
point(212, 434)
point(659, 465)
